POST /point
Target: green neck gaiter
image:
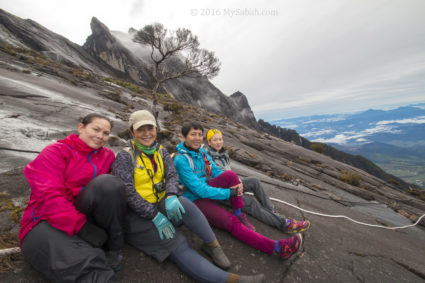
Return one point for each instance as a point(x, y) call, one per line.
point(145, 149)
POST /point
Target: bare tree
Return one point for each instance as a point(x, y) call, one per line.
point(181, 44)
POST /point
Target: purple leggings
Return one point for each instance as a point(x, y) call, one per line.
point(222, 219)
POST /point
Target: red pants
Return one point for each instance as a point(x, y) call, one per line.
point(228, 179)
point(222, 219)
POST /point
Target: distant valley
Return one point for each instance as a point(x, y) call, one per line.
point(393, 139)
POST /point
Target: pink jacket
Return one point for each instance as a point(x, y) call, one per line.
point(56, 176)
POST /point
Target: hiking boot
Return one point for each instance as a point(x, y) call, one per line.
point(217, 255)
point(295, 226)
point(242, 218)
point(251, 278)
point(290, 246)
point(114, 258)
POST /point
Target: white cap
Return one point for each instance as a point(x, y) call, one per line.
point(141, 118)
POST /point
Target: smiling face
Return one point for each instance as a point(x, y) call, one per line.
point(96, 133)
point(145, 135)
point(193, 138)
point(216, 142)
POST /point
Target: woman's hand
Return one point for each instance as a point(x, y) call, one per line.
point(164, 226)
point(240, 190)
point(238, 187)
point(174, 208)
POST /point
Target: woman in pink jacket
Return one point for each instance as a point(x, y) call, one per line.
point(76, 209)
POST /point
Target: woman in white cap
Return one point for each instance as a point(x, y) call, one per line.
point(155, 208)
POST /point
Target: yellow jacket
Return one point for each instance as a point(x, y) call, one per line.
point(144, 175)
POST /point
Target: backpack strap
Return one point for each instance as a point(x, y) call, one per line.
point(207, 167)
point(133, 155)
point(188, 157)
point(227, 157)
point(173, 155)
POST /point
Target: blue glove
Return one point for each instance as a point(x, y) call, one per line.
point(164, 226)
point(174, 208)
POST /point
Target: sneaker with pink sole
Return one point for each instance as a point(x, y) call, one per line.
point(290, 246)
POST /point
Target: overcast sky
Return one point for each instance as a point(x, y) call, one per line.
point(289, 57)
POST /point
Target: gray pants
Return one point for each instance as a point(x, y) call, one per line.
point(196, 266)
point(64, 258)
point(260, 205)
point(142, 233)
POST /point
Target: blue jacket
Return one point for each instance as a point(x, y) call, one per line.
point(195, 180)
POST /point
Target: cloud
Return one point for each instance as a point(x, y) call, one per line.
point(352, 65)
point(137, 8)
point(318, 133)
point(339, 139)
point(417, 120)
point(140, 51)
point(312, 57)
point(399, 84)
point(347, 136)
point(326, 120)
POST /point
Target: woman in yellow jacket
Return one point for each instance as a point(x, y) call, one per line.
point(154, 208)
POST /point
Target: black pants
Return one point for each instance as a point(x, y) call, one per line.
point(70, 259)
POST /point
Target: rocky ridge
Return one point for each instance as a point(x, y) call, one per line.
point(102, 44)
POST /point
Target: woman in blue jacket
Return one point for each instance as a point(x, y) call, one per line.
point(205, 183)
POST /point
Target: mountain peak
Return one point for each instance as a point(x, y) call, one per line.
point(98, 28)
point(240, 99)
point(132, 31)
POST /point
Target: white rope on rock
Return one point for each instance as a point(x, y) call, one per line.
point(343, 216)
point(16, 250)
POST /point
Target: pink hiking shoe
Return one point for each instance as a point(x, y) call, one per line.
point(290, 246)
point(242, 218)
